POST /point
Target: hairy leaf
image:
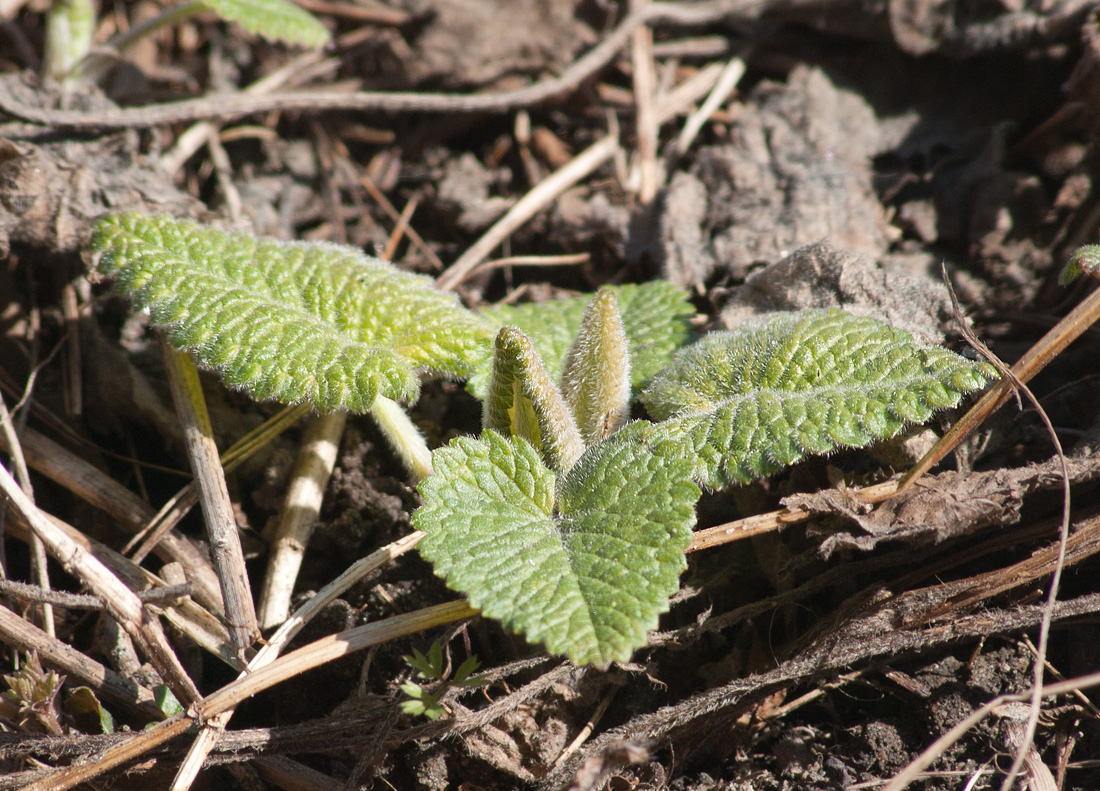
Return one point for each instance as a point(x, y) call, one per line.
point(290, 320)
point(523, 402)
point(654, 317)
point(596, 376)
point(277, 20)
point(584, 564)
point(1084, 261)
point(749, 402)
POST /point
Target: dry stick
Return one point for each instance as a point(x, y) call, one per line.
point(684, 95)
point(1028, 735)
point(85, 601)
point(121, 602)
point(38, 551)
point(316, 458)
point(131, 513)
point(290, 775)
point(291, 626)
point(589, 726)
point(727, 81)
point(531, 260)
point(242, 104)
point(379, 15)
point(70, 311)
point(109, 685)
point(388, 207)
point(550, 188)
point(1037, 357)
point(764, 523)
point(217, 509)
point(223, 170)
point(185, 499)
point(913, 771)
point(187, 616)
point(1026, 738)
point(399, 229)
point(645, 122)
point(193, 138)
point(321, 652)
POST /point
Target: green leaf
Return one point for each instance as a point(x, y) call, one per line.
point(595, 379)
point(524, 402)
point(422, 702)
point(277, 20)
point(425, 666)
point(166, 701)
point(464, 676)
point(584, 564)
point(290, 320)
point(88, 713)
point(749, 402)
point(654, 317)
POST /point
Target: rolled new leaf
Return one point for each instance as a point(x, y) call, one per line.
point(654, 317)
point(524, 402)
point(292, 321)
point(748, 402)
point(595, 379)
point(584, 562)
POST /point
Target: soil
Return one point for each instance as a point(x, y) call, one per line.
point(868, 149)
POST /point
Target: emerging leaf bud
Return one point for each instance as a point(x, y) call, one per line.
point(596, 377)
point(524, 402)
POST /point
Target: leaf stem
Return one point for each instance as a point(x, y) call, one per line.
point(69, 29)
point(403, 435)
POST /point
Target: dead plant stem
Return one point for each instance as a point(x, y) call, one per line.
point(316, 459)
point(1037, 357)
point(551, 187)
point(306, 658)
point(121, 602)
point(221, 527)
point(306, 100)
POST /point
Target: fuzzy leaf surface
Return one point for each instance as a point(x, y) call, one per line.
point(654, 317)
point(275, 20)
point(584, 565)
point(595, 379)
point(748, 402)
point(524, 402)
point(292, 321)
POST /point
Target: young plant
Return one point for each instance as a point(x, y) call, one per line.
point(563, 520)
point(30, 700)
point(431, 668)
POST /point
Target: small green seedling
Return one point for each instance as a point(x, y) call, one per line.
point(430, 667)
point(32, 694)
point(69, 57)
point(564, 521)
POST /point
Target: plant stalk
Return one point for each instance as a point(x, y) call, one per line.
point(69, 30)
point(403, 436)
point(221, 527)
point(316, 459)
